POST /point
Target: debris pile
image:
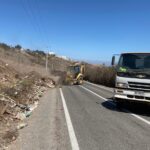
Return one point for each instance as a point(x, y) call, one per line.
point(19, 96)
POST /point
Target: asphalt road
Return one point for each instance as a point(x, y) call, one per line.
point(98, 125)
point(85, 118)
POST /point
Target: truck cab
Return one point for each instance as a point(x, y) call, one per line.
point(132, 78)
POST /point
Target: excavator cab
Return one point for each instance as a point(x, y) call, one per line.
point(75, 74)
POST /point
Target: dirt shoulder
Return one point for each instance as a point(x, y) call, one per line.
point(23, 81)
point(46, 128)
point(19, 96)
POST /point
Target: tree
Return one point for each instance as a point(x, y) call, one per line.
point(40, 52)
point(4, 46)
point(18, 47)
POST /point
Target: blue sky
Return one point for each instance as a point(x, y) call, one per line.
point(81, 29)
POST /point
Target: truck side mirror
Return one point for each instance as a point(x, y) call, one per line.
point(113, 61)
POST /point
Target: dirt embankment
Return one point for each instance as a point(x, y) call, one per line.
point(23, 80)
point(26, 61)
point(19, 96)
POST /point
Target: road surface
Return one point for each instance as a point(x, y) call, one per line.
point(85, 118)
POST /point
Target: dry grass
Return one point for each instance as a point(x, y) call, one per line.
point(100, 74)
point(27, 61)
point(26, 68)
point(23, 80)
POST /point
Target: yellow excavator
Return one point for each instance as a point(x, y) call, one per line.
point(75, 74)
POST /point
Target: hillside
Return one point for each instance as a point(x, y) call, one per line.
point(23, 80)
point(28, 60)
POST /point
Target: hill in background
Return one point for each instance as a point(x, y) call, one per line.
point(25, 61)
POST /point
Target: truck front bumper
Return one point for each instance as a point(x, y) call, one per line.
point(132, 95)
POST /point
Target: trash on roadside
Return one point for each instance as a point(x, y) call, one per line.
point(24, 107)
point(50, 85)
point(22, 125)
point(33, 106)
point(28, 113)
point(20, 116)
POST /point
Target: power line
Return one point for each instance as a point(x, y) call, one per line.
point(40, 18)
point(30, 14)
point(38, 22)
point(35, 15)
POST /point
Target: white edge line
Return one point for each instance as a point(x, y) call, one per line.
point(73, 139)
point(93, 93)
point(102, 87)
point(134, 115)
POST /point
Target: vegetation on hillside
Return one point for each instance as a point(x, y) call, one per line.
point(23, 80)
point(26, 60)
point(100, 74)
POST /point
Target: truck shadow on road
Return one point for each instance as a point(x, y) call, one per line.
point(136, 108)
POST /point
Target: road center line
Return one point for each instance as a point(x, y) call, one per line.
point(93, 93)
point(73, 139)
point(101, 87)
point(132, 114)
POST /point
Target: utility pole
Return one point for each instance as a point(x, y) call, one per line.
point(46, 64)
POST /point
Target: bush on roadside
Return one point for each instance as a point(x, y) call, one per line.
point(100, 74)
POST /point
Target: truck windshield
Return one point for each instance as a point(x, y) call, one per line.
point(139, 61)
point(74, 69)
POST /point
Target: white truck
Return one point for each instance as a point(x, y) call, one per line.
point(132, 78)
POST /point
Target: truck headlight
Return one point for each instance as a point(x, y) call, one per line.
point(121, 85)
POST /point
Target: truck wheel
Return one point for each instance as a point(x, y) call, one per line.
point(71, 83)
point(119, 104)
point(80, 81)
